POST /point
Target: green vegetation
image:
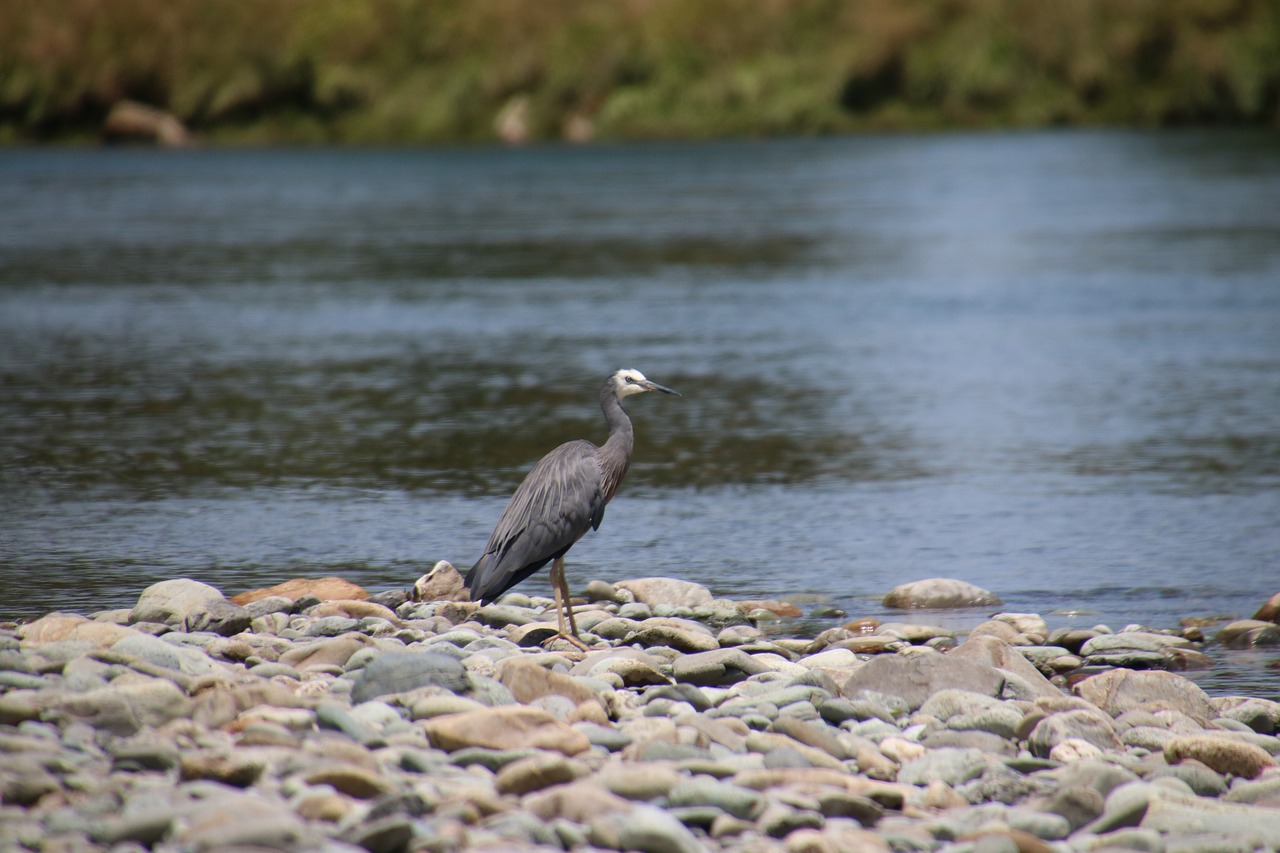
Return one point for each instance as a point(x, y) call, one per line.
point(408, 71)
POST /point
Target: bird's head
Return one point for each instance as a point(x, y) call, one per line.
point(629, 381)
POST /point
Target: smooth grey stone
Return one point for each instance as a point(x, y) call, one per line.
point(1047, 825)
point(160, 653)
point(1260, 715)
point(390, 834)
point(390, 598)
point(52, 657)
point(150, 754)
point(993, 843)
point(268, 605)
point(490, 759)
point(647, 828)
point(305, 602)
point(125, 709)
point(170, 601)
point(270, 669)
point(678, 693)
point(502, 615)
point(837, 803)
point(423, 760)
point(916, 677)
point(952, 766)
point(939, 594)
point(1251, 791)
point(332, 626)
point(571, 836)
point(998, 784)
point(837, 710)
point(26, 782)
point(779, 821)
point(360, 658)
point(811, 733)
point(1027, 764)
point(989, 743)
point(219, 616)
point(489, 691)
point(1101, 776)
point(1211, 842)
point(398, 672)
point(1205, 781)
point(1125, 806)
point(1091, 726)
point(725, 796)
point(1133, 641)
point(334, 717)
point(1181, 813)
point(656, 750)
point(636, 610)
point(612, 739)
point(598, 590)
point(1125, 839)
point(22, 681)
point(701, 817)
point(785, 757)
point(12, 660)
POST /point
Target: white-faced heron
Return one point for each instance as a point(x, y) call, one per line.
point(562, 498)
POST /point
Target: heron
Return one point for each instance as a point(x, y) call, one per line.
point(560, 499)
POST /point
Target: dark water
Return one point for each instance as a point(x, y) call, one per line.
point(1048, 364)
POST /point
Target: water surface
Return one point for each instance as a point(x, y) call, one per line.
point(1048, 364)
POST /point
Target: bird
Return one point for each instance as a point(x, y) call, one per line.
point(559, 501)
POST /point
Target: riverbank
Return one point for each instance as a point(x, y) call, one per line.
point(317, 717)
point(397, 72)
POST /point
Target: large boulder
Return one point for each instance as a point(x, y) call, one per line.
point(1121, 690)
point(325, 589)
point(677, 593)
point(939, 594)
point(172, 601)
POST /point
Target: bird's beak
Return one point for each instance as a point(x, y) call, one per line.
point(654, 386)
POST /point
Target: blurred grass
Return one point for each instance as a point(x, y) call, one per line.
point(410, 71)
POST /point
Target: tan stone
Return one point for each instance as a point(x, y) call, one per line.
point(784, 609)
point(1225, 755)
point(442, 583)
point(1270, 610)
point(638, 780)
point(528, 681)
point(578, 802)
point(331, 652)
point(325, 589)
point(863, 625)
point(355, 609)
point(58, 627)
point(655, 591)
point(505, 727)
point(324, 806)
point(537, 772)
point(350, 780)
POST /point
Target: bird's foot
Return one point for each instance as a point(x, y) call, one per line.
point(568, 638)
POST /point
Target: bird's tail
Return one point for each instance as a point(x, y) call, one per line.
point(475, 580)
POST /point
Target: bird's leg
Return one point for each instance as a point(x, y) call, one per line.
point(563, 605)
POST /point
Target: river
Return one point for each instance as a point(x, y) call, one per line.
point(1045, 363)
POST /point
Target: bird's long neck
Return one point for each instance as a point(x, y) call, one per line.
point(615, 455)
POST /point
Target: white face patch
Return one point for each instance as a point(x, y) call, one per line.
point(629, 381)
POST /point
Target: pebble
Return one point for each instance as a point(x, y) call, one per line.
point(317, 717)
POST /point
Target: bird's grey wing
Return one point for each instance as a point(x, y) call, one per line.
point(559, 501)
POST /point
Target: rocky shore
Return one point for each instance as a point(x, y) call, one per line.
point(319, 717)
